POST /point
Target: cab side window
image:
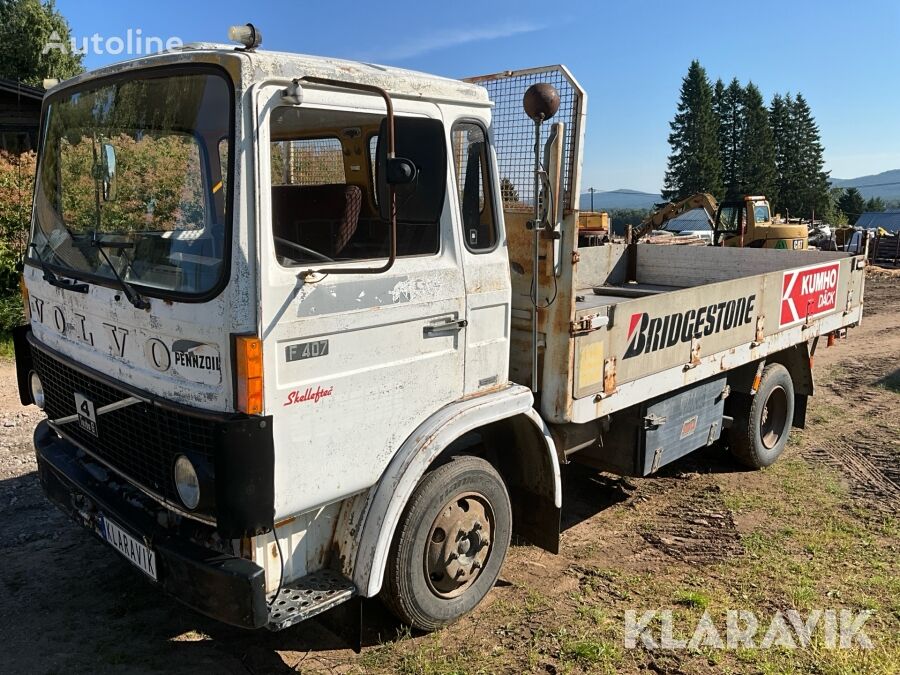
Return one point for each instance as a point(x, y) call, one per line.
point(470, 160)
point(325, 186)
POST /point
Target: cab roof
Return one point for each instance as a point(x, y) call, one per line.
point(285, 65)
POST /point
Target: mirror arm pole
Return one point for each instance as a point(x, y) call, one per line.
point(391, 152)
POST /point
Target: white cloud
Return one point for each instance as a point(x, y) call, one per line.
point(450, 37)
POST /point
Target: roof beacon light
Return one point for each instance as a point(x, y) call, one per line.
point(248, 35)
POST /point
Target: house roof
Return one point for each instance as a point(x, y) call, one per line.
point(15, 87)
point(889, 220)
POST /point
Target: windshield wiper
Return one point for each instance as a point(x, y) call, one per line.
point(53, 280)
point(133, 296)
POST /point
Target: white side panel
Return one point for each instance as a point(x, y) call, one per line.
point(686, 266)
point(341, 412)
point(305, 543)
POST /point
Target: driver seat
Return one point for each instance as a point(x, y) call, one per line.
point(323, 218)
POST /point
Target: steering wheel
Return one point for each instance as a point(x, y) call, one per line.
point(303, 249)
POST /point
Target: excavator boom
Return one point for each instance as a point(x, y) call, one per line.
point(657, 219)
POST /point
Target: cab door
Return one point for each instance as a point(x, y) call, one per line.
point(353, 363)
point(485, 260)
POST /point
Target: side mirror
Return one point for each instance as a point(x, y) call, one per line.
point(108, 170)
point(417, 173)
point(400, 171)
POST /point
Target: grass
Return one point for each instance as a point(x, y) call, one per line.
point(695, 599)
point(598, 654)
point(7, 351)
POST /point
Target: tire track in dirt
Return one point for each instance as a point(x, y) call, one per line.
point(699, 529)
point(872, 472)
point(861, 439)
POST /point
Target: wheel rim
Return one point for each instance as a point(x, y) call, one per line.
point(459, 544)
point(773, 418)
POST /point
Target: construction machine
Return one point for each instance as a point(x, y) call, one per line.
point(745, 221)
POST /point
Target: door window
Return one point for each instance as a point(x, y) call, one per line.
point(324, 185)
point(470, 154)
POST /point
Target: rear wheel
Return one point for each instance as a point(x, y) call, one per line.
point(450, 544)
point(762, 423)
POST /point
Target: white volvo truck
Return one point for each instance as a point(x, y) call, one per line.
point(302, 335)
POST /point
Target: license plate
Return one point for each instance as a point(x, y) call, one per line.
point(87, 416)
point(140, 556)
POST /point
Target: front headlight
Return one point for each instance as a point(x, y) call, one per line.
point(37, 390)
point(186, 482)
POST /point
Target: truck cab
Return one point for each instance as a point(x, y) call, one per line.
point(241, 265)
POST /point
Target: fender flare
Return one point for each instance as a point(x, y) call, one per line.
point(389, 496)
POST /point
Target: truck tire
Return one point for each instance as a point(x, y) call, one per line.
point(762, 423)
point(449, 545)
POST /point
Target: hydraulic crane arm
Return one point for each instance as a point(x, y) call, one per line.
point(657, 219)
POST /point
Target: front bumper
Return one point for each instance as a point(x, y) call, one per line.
point(224, 587)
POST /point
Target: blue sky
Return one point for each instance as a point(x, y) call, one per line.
point(630, 56)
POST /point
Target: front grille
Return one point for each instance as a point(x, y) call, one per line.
point(141, 441)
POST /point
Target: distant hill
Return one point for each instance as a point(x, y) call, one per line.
point(885, 185)
point(620, 199)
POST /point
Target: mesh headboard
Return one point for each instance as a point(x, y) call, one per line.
point(513, 131)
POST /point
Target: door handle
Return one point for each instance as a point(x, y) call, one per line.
point(444, 326)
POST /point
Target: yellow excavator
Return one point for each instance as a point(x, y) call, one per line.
point(746, 221)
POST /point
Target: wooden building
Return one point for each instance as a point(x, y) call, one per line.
point(20, 114)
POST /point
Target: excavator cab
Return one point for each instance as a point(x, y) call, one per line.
point(748, 222)
point(732, 219)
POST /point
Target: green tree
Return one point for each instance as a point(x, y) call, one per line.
point(731, 129)
point(26, 27)
point(694, 164)
point(508, 191)
point(852, 204)
point(802, 187)
point(833, 214)
point(783, 150)
point(875, 204)
point(813, 179)
point(756, 160)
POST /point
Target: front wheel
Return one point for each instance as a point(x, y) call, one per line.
point(762, 423)
point(450, 544)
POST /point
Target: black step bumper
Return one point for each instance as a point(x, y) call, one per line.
point(224, 587)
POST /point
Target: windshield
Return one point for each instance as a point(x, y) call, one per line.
point(133, 182)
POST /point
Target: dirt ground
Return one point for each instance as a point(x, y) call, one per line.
point(819, 529)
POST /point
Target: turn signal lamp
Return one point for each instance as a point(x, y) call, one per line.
point(248, 355)
point(26, 301)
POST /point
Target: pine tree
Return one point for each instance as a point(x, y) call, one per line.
point(785, 152)
point(730, 116)
point(508, 191)
point(812, 189)
point(694, 163)
point(851, 202)
point(756, 159)
point(875, 204)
